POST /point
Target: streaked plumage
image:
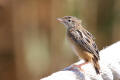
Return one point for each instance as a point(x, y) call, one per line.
point(82, 41)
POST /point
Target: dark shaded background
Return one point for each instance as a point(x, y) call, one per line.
point(32, 42)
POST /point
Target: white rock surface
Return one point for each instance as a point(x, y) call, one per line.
point(109, 63)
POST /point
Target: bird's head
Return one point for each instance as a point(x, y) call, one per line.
point(69, 21)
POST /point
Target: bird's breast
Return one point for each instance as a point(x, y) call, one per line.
point(79, 51)
point(76, 48)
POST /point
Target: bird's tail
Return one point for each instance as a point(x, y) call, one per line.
point(96, 65)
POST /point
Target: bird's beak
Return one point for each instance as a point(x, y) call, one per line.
point(60, 19)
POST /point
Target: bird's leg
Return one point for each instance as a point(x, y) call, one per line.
point(80, 65)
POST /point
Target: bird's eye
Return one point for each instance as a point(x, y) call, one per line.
point(69, 20)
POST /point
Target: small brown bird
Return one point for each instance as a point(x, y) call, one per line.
point(82, 41)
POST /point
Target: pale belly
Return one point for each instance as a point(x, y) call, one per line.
point(80, 52)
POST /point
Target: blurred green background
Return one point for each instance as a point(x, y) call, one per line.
point(32, 41)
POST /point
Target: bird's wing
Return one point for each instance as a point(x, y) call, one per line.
point(84, 40)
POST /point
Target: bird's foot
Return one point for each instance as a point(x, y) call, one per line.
point(80, 66)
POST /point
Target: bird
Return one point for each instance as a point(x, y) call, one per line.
point(82, 41)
